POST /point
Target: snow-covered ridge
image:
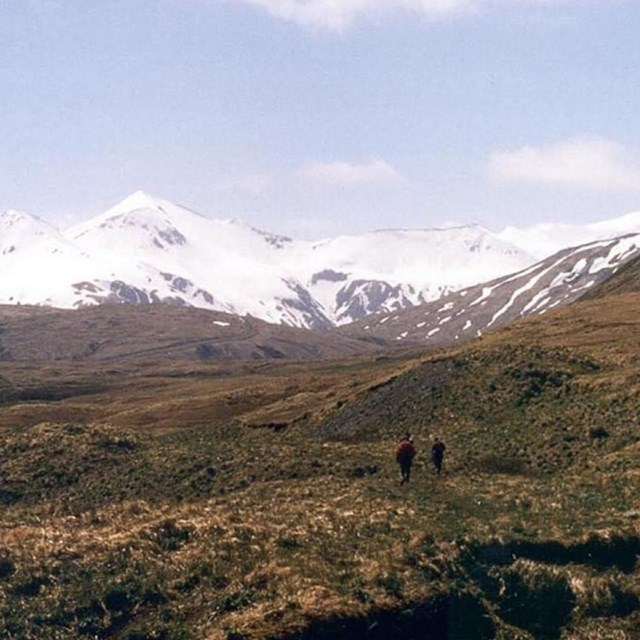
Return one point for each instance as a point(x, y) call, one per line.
point(149, 250)
point(549, 284)
point(543, 240)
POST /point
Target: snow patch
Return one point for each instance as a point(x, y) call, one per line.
point(525, 287)
point(486, 292)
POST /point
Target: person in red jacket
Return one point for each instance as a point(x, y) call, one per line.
point(405, 453)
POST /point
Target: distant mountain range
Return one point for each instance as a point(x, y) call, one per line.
point(145, 250)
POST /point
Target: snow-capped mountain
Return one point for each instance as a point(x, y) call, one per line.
point(543, 240)
point(546, 285)
point(162, 252)
point(147, 250)
point(36, 261)
point(353, 276)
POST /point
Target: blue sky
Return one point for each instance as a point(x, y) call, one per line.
point(321, 117)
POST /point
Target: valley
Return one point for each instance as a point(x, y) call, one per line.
point(174, 497)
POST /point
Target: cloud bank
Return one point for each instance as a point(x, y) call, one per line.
point(592, 162)
point(338, 15)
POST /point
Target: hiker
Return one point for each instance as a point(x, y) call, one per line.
point(437, 454)
point(405, 453)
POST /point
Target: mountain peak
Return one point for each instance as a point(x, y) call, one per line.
point(13, 217)
point(137, 200)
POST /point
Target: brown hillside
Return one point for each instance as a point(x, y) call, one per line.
point(300, 529)
point(158, 333)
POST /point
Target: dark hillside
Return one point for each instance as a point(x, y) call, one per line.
point(158, 333)
point(626, 280)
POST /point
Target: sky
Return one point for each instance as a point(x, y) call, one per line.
point(315, 118)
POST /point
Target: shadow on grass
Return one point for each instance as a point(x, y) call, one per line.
point(456, 617)
point(600, 553)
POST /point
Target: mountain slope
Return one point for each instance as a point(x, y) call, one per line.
point(151, 333)
point(625, 280)
point(170, 254)
point(37, 263)
point(549, 284)
point(354, 276)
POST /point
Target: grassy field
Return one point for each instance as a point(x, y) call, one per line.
point(262, 500)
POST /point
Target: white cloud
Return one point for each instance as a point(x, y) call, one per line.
point(591, 162)
point(343, 174)
point(336, 15)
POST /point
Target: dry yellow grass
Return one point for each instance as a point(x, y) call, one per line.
point(149, 502)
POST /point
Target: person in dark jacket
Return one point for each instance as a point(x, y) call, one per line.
point(405, 453)
point(437, 454)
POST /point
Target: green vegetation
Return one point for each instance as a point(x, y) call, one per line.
point(284, 518)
